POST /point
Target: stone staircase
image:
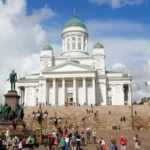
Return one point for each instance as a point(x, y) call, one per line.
point(103, 121)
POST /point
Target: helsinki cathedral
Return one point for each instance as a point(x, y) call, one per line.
point(75, 77)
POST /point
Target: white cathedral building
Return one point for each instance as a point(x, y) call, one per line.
point(75, 76)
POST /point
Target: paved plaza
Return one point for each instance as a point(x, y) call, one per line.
point(144, 136)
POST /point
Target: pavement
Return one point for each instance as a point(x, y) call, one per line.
point(107, 134)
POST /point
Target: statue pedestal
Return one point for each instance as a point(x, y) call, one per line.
point(9, 125)
point(12, 99)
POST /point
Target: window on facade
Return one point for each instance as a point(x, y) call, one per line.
point(79, 45)
point(79, 39)
point(73, 46)
point(109, 101)
point(37, 90)
point(109, 88)
point(68, 46)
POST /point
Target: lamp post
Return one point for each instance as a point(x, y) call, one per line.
point(33, 114)
point(55, 120)
point(45, 114)
point(39, 117)
point(132, 117)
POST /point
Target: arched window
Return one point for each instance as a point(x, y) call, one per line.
point(68, 44)
point(73, 43)
point(73, 46)
point(79, 43)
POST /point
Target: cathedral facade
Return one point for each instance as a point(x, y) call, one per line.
point(75, 76)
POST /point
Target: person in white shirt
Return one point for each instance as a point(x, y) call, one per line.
point(54, 134)
point(101, 139)
point(66, 142)
point(7, 133)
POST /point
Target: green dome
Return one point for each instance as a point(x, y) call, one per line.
point(47, 47)
point(98, 45)
point(74, 22)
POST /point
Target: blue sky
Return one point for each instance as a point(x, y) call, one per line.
point(87, 10)
point(122, 26)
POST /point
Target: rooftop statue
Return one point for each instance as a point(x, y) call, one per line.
point(13, 79)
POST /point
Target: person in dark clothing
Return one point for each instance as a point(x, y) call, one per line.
point(31, 143)
point(78, 139)
point(124, 119)
point(76, 133)
point(1, 144)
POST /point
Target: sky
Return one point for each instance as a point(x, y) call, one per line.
point(122, 26)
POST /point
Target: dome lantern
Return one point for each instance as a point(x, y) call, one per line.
point(75, 22)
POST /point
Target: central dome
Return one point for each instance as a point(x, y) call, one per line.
point(74, 22)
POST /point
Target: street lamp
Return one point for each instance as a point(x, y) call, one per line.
point(59, 119)
point(39, 117)
point(55, 120)
point(132, 117)
point(45, 114)
point(33, 114)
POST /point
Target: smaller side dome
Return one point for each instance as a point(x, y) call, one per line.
point(98, 45)
point(47, 47)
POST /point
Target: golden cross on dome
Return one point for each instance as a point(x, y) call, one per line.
point(74, 13)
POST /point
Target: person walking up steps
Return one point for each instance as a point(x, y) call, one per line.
point(94, 136)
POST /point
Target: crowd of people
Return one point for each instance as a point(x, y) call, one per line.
point(70, 138)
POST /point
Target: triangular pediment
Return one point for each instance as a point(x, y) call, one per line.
point(68, 67)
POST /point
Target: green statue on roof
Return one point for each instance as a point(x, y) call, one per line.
point(13, 79)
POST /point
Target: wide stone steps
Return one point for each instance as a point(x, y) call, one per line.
point(103, 121)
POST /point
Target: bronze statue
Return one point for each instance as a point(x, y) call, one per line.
point(8, 114)
point(20, 109)
point(13, 79)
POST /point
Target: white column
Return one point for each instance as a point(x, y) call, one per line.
point(45, 92)
point(40, 93)
point(54, 92)
point(20, 94)
point(48, 98)
point(86, 46)
point(63, 92)
point(33, 97)
point(76, 42)
point(82, 45)
point(23, 95)
point(74, 90)
point(26, 95)
point(84, 92)
point(93, 86)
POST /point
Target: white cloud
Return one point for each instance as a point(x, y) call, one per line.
point(131, 51)
point(22, 36)
point(118, 65)
point(117, 3)
point(21, 39)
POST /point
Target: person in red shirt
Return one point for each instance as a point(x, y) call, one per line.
point(123, 143)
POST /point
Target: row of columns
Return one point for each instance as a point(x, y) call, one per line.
point(43, 92)
point(74, 90)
